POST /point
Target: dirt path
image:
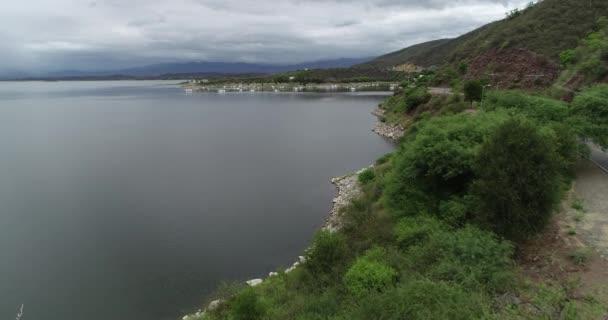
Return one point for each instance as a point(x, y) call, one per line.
point(591, 190)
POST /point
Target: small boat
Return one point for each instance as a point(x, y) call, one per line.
point(188, 90)
point(221, 91)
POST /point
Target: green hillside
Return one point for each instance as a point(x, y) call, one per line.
point(417, 54)
point(546, 28)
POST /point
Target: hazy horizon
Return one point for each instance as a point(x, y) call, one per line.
point(41, 36)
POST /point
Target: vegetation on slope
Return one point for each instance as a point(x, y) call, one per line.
point(588, 62)
point(546, 28)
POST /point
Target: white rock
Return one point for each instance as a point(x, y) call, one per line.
point(214, 304)
point(272, 274)
point(254, 282)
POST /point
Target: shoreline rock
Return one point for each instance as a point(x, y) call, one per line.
point(385, 130)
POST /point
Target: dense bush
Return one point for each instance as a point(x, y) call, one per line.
point(421, 299)
point(247, 306)
point(473, 91)
point(366, 176)
point(567, 57)
point(412, 230)
point(591, 107)
point(517, 180)
point(436, 161)
point(416, 97)
point(521, 103)
point(327, 253)
point(368, 274)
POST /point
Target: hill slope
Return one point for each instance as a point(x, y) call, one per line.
point(417, 54)
point(546, 28)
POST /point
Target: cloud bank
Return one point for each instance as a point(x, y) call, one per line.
point(47, 35)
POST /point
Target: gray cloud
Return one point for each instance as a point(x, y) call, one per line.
point(106, 34)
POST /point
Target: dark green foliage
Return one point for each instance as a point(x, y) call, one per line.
point(366, 176)
point(416, 97)
point(591, 108)
point(462, 68)
point(247, 306)
point(327, 252)
point(473, 91)
point(517, 180)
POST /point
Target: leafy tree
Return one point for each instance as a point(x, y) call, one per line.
point(326, 253)
point(517, 181)
point(473, 91)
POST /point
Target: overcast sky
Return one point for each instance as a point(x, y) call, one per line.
point(106, 34)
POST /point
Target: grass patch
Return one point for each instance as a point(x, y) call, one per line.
point(577, 205)
point(581, 256)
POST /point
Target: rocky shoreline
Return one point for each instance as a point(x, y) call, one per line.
point(385, 130)
point(347, 189)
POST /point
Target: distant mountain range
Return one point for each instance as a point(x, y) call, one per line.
point(159, 70)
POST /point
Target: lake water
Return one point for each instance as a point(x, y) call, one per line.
point(134, 200)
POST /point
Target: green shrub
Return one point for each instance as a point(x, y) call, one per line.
point(473, 258)
point(517, 182)
point(456, 211)
point(247, 306)
point(366, 176)
point(412, 230)
point(384, 159)
point(591, 108)
point(581, 256)
point(473, 91)
point(436, 161)
point(567, 57)
point(416, 97)
point(577, 205)
point(327, 253)
point(521, 103)
point(421, 299)
point(368, 274)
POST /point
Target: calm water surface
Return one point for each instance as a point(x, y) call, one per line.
point(133, 200)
